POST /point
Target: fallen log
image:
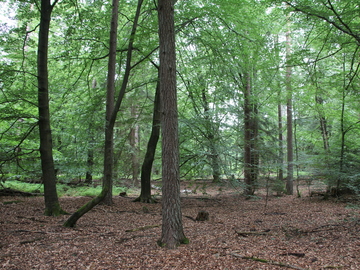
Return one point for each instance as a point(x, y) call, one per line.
point(14, 192)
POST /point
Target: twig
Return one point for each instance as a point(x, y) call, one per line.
point(267, 261)
point(143, 228)
point(41, 232)
point(245, 234)
point(296, 254)
point(30, 241)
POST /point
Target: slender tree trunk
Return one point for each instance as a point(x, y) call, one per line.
point(108, 152)
point(172, 229)
point(90, 155)
point(211, 137)
point(145, 195)
point(281, 144)
point(290, 150)
point(323, 124)
point(134, 143)
point(251, 157)
point(90, 165)
point(110, 96)
point(52, 206)
point(90, 150)
point(342, 142)
point(109, 127)
point(280, 122)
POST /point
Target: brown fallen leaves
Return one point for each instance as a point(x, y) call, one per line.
point(240, 234)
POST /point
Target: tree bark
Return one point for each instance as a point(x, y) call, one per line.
point(52, 206)
point(172, 229)
point(134, 143)
point(323, 124)
point(145, 195)
point(281, 143)
point(289, 139)
point(110, 95)
point(211, 137)
point(251, 157)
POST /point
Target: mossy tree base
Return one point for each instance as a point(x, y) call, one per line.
point(183, 241)
point(55, 211)
point(145, 200)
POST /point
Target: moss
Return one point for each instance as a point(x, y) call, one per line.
point(55, 211)
point(160, 243)
point(185, 241)
point(11, 202)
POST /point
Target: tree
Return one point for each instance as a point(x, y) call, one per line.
point(289, 119)
point(52, 206)
point(134, 145)
point(251, 129)
point(341, 17)
point(145, 194)
point(108, 152)
point(110, 99)
point(111, 111)
point(172, 233)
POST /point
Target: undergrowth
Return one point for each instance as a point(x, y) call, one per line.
point(62, 189)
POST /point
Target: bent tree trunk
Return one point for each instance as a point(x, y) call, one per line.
point(52, 206)
point(110, 95)
point(145, 195)
point(108, 152)
point(172, 229)
point(109, 127)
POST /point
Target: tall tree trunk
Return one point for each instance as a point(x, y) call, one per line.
point(251, 157)
point(289, 140)
point(211, 137)
point(90, 150)
point(110, 96)
point(145, 195)
point(281, 144)
point(343, 133)
point(172, 229)
point(52, 206)
point(90, 154)
point(106, 192)
point(134, 144)
point(90, 165)
point(323, 124)
point(280, 122)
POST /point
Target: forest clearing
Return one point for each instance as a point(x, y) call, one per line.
point(285, 232)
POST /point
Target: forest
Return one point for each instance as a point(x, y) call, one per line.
point(256, 98)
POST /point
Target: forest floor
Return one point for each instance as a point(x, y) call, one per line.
point(275, 233)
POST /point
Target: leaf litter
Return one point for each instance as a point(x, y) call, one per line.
point(282, 233)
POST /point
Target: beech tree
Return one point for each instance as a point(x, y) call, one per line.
point(147, 165)
point(111, 111)
point(52, 206)
point(289, 117)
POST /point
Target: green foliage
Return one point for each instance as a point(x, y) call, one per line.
point(63, 189)
point(218, 42)
point(26, 187)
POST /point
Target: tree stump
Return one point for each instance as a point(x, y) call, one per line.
point(202, 216)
